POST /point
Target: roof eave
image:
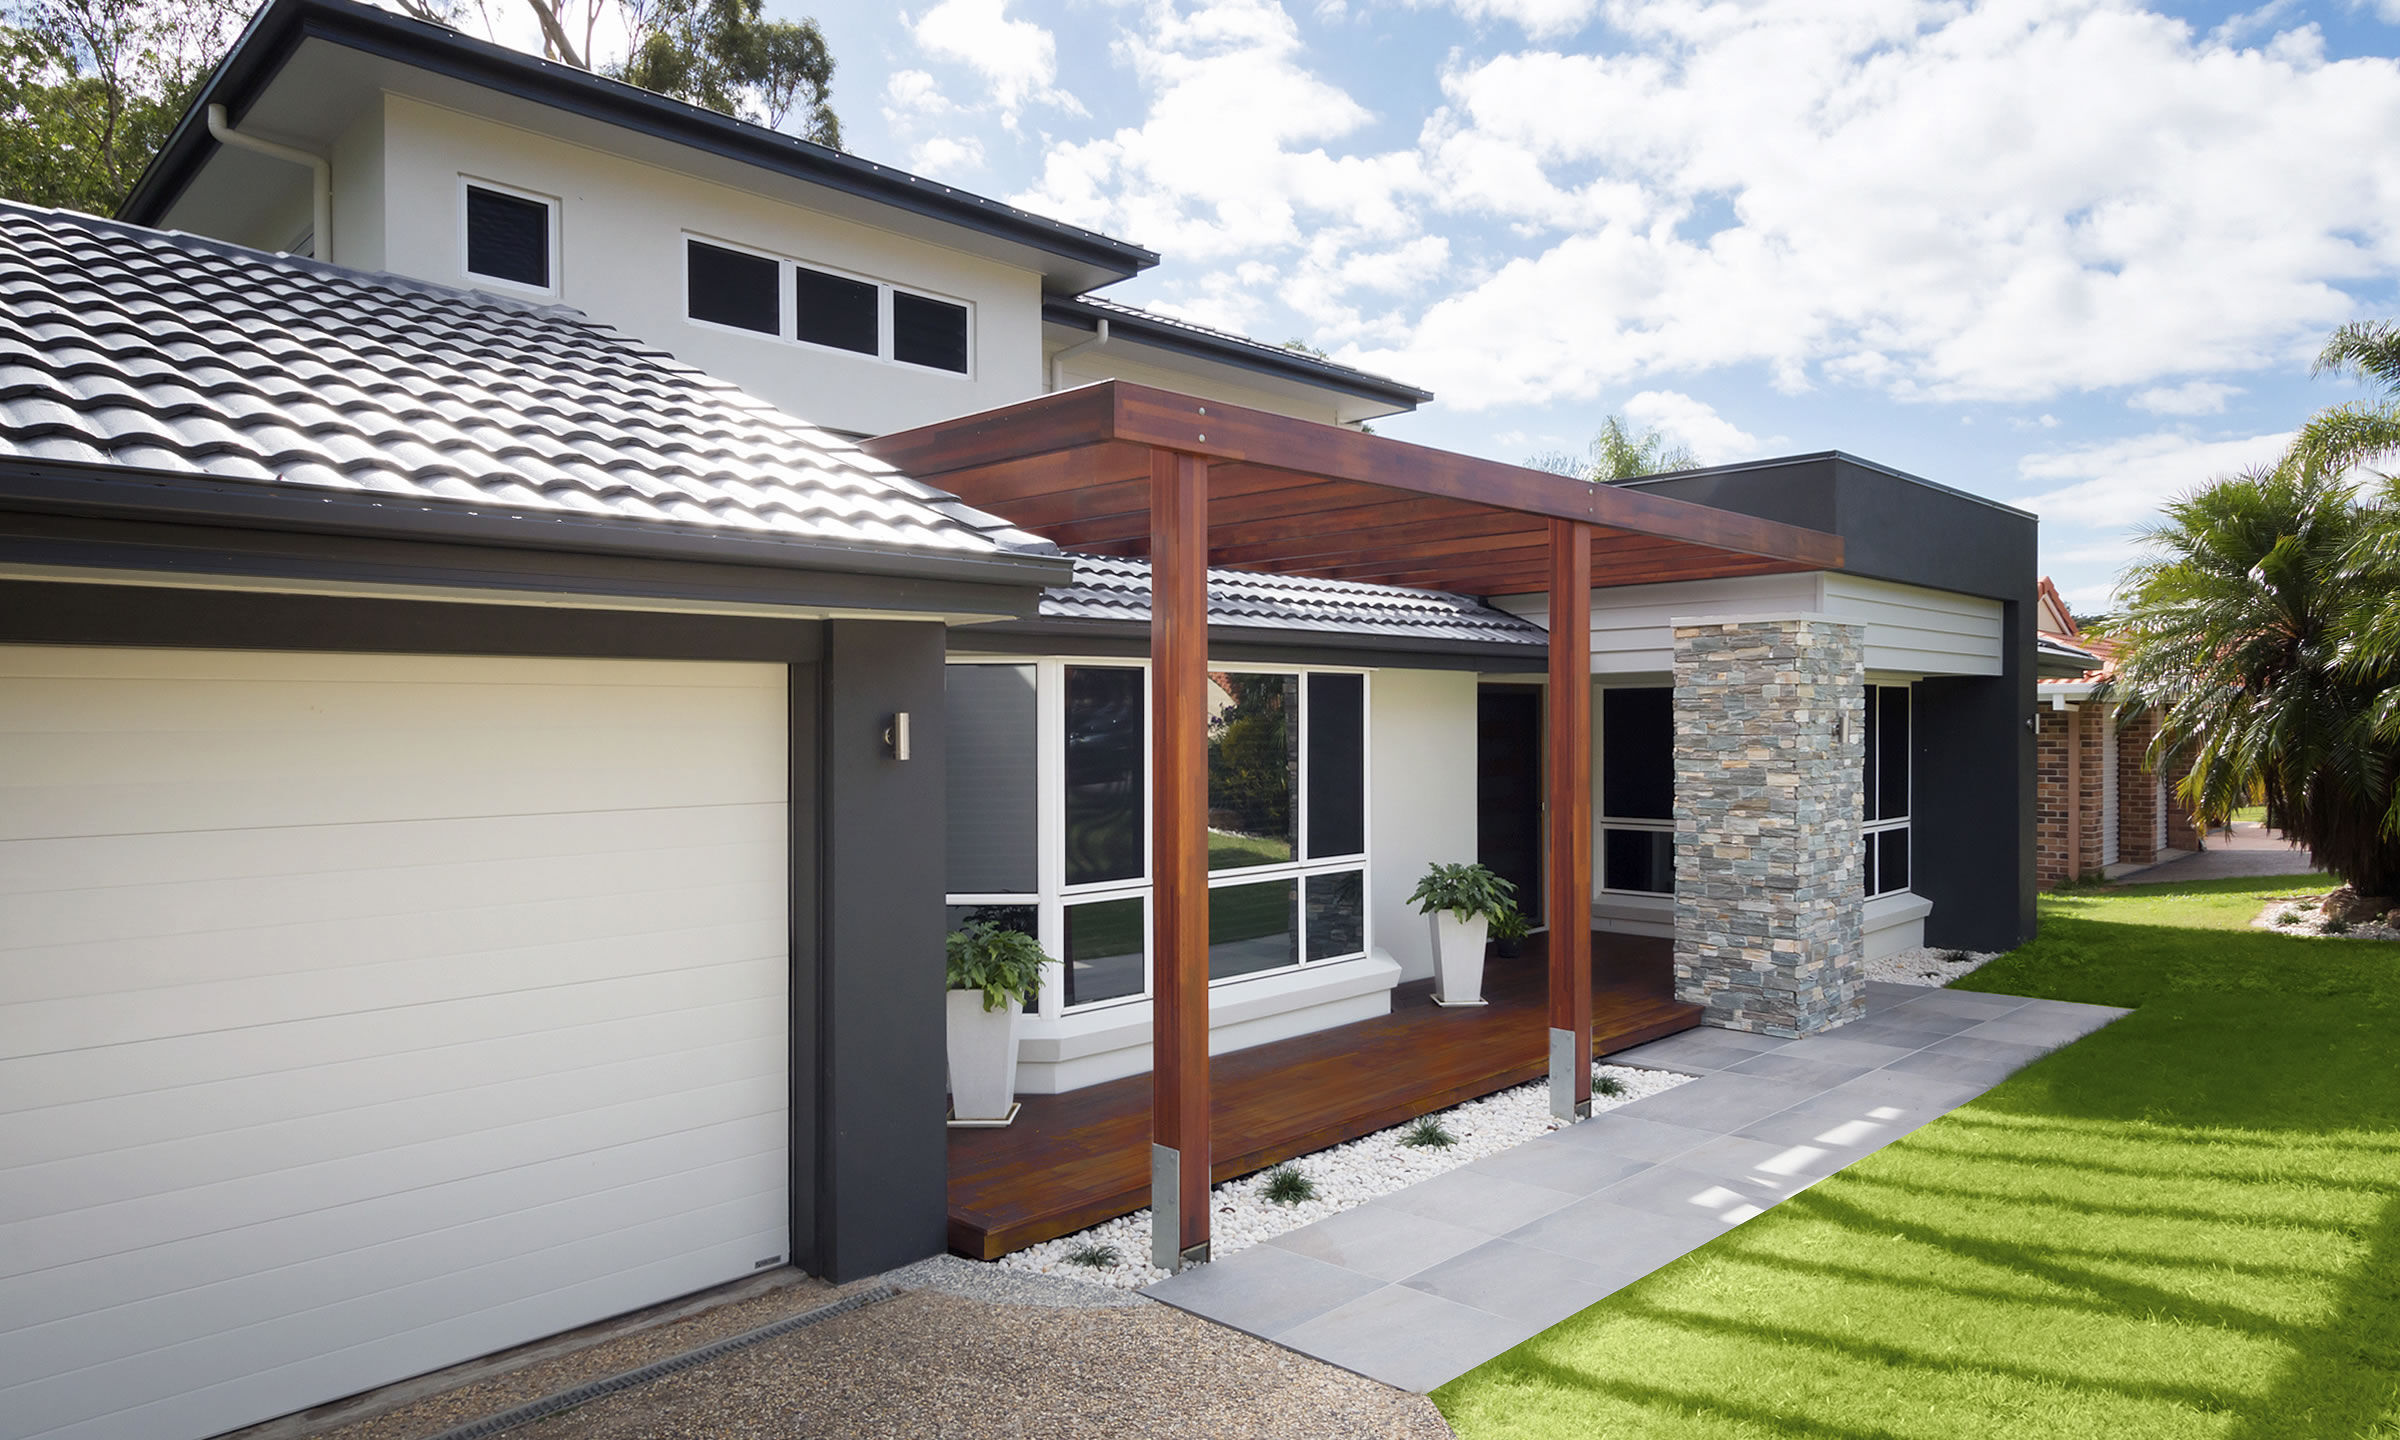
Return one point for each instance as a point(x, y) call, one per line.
point(278, 30)
point(1253, 356)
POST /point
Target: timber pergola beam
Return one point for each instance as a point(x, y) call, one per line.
point(1123, 469)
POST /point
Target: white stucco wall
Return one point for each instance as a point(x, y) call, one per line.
point(1121, 360)
point(1421, 726)
point(622, 227)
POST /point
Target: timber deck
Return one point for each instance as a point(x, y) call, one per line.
point(1074, 1160)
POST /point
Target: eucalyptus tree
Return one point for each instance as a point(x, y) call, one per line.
point(1617, 453)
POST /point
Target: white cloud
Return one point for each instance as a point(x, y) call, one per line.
point(945, 157)
point(2118, 483)
point(2193, 397)
point(912, 95)
point(1016, 58)
point(1712, 438)
point(1539, 18)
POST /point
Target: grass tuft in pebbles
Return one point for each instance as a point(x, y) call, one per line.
point(1093, 1257)
point(1608, 1085)
point(1428, 1131)
point(1288, 1184)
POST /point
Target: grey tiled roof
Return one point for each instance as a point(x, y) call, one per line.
point(1108, 588)
point(163, 353)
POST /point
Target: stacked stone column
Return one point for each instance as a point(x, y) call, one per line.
point(1770, 727)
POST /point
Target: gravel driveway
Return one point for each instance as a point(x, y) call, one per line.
point(930, 1365)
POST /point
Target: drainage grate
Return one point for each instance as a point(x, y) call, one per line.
point(659, 1369)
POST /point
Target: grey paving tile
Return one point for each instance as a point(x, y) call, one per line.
point(1703, 1049)
point(1745, 1155)
point(1719, 1102)
point(1264, 1290)
point(1516, 1282)
point(1977, 1047)
point(2098, 1015)
point(1406, 1338)
point(1914, 1034)
point(1957, 1069)
point(1576, 1169)
point(1621, 1243)
point(1882, 994)
point(1837, 1048)
point(1802, 1073)
point(1380, 1242)
point(2015, 1030)
point(1618, 1133)
point(1972, 1003)
point(1477, 1201)
point(1890, 1086)
point(1684, 1194)
point(1849, 1126)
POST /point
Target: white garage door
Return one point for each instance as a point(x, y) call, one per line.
point(363, 1014)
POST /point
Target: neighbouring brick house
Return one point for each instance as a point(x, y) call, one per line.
point(2099, 807)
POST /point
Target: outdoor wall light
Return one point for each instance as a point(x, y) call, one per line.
point(895, 736)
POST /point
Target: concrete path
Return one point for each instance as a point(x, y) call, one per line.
point(1423, 1285)
point(2248, 849)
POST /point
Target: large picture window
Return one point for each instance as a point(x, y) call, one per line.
point(744, 289)
point(1887, 790)
point(1637, 791)
point(1049, 817)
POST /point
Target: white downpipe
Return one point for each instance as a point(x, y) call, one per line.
point(1058, 362)
point(320, 238)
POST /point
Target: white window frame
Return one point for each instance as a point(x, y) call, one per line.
point(1053, 896)
point(783, 287)
point(1602, 822)
point(1869, 829)
point(787, 318)
point(557, 252)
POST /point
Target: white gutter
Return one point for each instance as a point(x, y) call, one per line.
point(320, 239)
point(1058, 362)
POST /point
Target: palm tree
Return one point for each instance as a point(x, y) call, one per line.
point(1617, 453)
point(2242, 630)
point(2364, 432)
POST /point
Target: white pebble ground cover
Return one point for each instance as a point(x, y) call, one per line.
point(2305, 915)
point(1344, 1176)
point(1928, 965)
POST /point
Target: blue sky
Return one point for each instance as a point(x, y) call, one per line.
point(2071, 254)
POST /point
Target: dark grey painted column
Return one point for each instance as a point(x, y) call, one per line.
point(1972, 817)
point(882, 1146)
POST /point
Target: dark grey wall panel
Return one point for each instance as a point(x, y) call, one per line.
point(882, 1148)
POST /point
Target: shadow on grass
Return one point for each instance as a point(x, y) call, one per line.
point(2186, 1224)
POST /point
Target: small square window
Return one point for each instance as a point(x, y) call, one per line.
point(837, 311)
point(728, 287)
point(929, 332)
point(508, 237)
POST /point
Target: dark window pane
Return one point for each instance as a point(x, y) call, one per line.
point(1337, 914)
point(1250, 928)
point(1891, 861)
point(1637, 754)
point(1639, 860)
point(1253, 768)
point(835, 310)
point(1891, 752)
point(1868, 863)
point(1104, 950)
point(508, 238)
point(1105, 814)
point(1337, 770)
point(993, 798)
point(929, 332)
point(1021, 918)
point(727, 287)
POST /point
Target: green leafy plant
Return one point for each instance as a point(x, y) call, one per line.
point(1956, 957)
point(2338, 925)
point(1004, 964)
point(1428, 1133)
point(1509, 923)
point(1092, 1256)
point(1466, 891)
point(1608, 1085)
point(2288, 917)
point(1288, 1184)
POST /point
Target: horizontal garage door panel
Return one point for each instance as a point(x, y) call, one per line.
point(363, 1014)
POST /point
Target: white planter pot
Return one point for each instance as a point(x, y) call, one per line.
point(1458, 957)
point(983, 1057)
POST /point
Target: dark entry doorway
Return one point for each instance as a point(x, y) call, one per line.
point(1508, 789)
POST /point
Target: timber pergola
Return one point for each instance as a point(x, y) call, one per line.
point(1123, 469)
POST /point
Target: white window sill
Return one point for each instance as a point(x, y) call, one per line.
point(1897, 908)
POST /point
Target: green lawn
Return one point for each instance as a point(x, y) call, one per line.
point(2186, 1225)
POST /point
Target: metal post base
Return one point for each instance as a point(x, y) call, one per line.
point(1166, 1203)
point(1563, 1104)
